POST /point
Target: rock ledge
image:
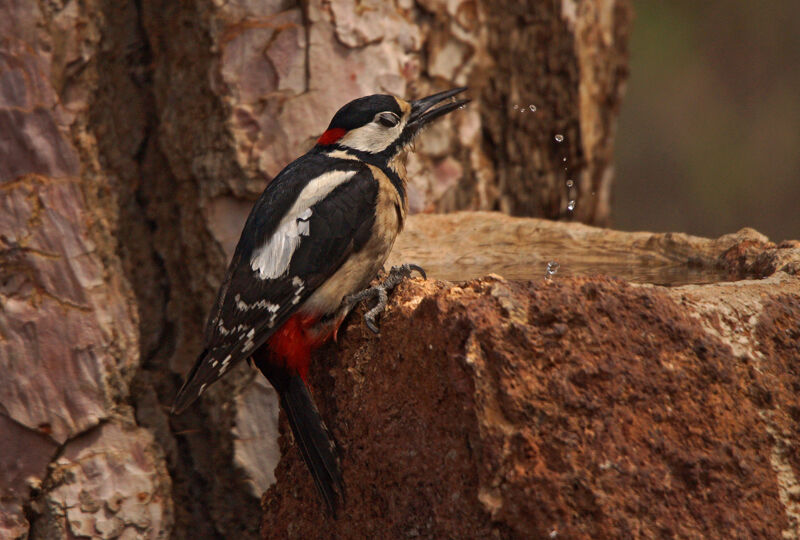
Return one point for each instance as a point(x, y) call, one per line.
point(572, 408)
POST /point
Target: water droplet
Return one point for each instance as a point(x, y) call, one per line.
point(550, 271)
point(564, 159)
point(532, 107)
point(570, 183)
point(571, 205)
point(514, 107)
point(559, 138)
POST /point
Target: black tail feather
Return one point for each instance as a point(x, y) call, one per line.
point(316, 446)
point(190, 390)
point(312, 437)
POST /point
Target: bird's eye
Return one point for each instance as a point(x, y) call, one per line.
point(388, 119)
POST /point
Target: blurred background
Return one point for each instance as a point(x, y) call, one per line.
point(709, 134)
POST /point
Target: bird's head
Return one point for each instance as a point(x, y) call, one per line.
point(382, 126)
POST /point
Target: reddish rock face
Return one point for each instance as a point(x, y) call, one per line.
point(576, 408)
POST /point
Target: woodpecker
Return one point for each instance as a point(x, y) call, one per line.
point(318, 234)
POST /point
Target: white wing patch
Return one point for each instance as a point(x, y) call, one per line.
point(235, 330)
point(272, 260)
point(299, 285)
point(249, 343)
point(241, 305)
point(225, 364)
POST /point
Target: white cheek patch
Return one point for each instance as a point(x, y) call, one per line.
point(272, 260)
point(372, 138)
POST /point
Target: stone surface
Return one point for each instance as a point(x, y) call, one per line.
point(467, 245)
point(569, 408)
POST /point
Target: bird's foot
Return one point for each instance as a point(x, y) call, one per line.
point(381, 292)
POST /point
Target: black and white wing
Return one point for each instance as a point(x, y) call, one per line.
point(305, 225)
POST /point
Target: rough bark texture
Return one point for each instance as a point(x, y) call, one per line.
point(570, 408)
point(68, 339)
point(536, 154)
point(135, 136)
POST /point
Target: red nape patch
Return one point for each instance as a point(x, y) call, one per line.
point(331, 136)
point(294, 341)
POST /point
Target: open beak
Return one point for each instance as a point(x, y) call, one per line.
point(423, 111)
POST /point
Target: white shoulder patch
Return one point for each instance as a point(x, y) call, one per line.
point(272, 259)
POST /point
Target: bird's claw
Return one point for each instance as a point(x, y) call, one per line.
point(381, 292)
point(369, 316)
point(399, 273)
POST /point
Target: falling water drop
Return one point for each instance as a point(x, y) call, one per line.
point(571, 205)
point(514, 107)
point(550, 271)
point(532, 107)
point(559, 137)
point(570, 183)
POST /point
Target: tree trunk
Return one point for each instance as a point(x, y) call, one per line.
point(569, 60)
point(135, 136)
